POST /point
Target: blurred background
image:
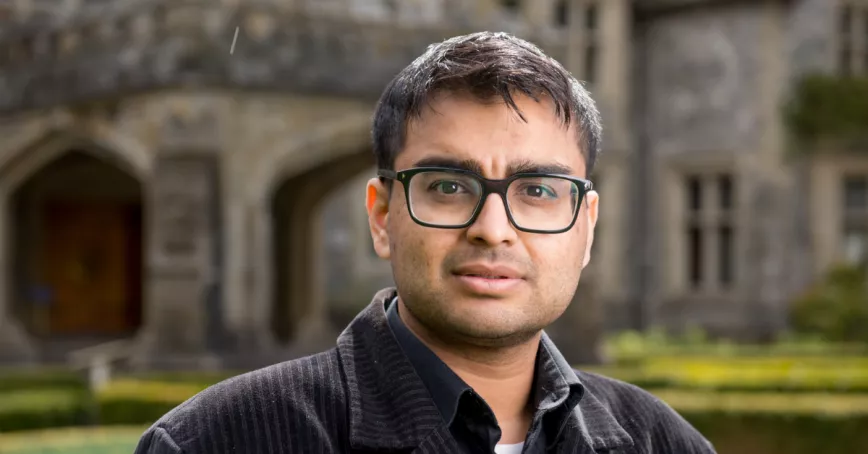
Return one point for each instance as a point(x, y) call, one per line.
point(182, 184)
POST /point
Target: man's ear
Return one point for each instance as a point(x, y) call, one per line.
point(377, 204)
point(592, 208)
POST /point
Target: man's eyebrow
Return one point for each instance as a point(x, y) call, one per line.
point(524, 166)
point(538, 167)
point(450, 163)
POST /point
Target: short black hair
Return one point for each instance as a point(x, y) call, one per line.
point(486, 65)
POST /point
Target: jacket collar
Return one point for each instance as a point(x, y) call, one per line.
point(390, 407)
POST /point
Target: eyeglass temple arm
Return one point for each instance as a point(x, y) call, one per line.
point(385, 173)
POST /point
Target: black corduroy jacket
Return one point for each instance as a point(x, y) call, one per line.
point(364, 397)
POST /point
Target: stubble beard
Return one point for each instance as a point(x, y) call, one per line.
point(453, 329)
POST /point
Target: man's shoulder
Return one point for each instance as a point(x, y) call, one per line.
point(619, 396)
point(256, 408)
point(651, 422)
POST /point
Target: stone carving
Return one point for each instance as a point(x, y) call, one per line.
point(182, 196)
point(284, 49)
point(704, 77)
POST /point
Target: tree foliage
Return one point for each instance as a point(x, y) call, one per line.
point(829, 110)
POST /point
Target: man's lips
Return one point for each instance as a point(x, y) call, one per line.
point(492, 280)
point(484, 271)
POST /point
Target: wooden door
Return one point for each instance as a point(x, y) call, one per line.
point(86, 267)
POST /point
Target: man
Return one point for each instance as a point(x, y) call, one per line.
point(483, 208)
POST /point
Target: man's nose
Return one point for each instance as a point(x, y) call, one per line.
point(492, 226)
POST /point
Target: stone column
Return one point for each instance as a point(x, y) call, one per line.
point(260, 277)
point(15, 343)
point(315, 331)
point(182, 268)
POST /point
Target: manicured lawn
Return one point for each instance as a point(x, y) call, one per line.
point(84, 440)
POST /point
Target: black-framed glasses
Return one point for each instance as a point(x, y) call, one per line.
point(448, 198)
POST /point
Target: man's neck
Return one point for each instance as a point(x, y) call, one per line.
point(502, 376)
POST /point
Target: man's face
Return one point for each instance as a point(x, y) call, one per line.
point(433, 267)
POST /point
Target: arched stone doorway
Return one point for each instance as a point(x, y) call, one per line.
point(299, 279)
point(75, 242)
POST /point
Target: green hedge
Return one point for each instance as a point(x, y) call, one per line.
point(795, 374)
point(41, 378)
point(127, 402)
point(784, 434)
point(769, 423)
point(40, 409)
point(73, 440)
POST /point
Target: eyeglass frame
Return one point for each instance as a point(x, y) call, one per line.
point(489, 186)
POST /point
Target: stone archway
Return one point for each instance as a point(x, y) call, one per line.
point(293, 163)
point(54, 194)
point(297, 237)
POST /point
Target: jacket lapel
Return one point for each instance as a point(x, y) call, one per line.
point(390, 407)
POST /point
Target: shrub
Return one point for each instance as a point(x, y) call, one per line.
point(785, 374)
point(41, 378)
point(781, 433)
point(830, 109)
point(128, 402)
point(45, 408)
point(90, 440)
point(767, 423)
point(837, 308)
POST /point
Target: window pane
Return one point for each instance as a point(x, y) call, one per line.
point(856, 246)
point(865, 41)
point(725, 188)
point(845, 64)
point(511, 5)
point(591, 17)
point(590, 63)
point(856, 193)
point(846, 21)
point(694, 255)
point(694, 194)
point(726, 255)
point(562, 13)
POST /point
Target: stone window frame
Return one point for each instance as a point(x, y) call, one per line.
point(674, 220)
point(587, 36)
point(851, 37)
point(826, 198)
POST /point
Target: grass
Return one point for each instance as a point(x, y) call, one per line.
point(77, 440)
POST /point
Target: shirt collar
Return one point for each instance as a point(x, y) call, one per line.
point(555, 382)
point(383, 391)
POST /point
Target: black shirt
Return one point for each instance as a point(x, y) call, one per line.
point(556, 390)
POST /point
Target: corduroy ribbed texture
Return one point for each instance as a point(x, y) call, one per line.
point(364, 396)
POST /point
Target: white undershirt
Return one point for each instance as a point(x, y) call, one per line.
point(509, 449)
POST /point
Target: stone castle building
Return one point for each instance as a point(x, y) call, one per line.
point(167, 181)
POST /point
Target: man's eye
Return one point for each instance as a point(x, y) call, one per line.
point(535, 190)
point(446, 187)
